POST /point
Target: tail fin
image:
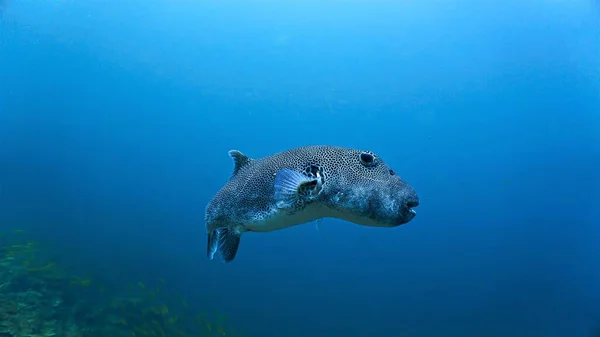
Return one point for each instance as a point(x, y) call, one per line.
point(224, 241)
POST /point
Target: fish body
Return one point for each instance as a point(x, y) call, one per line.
point(301, 185)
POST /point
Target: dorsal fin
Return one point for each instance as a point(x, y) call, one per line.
point(239, 160)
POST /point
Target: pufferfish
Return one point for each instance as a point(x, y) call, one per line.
point(302, 185)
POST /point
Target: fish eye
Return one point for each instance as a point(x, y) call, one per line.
point(392, 173)
point(367, 159)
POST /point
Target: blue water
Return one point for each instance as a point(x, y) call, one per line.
point(116, 118)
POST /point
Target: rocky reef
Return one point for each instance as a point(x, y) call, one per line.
point(38, 299)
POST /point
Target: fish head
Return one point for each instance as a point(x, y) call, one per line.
point(361, 188)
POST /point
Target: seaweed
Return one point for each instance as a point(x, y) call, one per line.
point(39, 299)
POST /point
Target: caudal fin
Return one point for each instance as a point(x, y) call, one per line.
point(223, 241)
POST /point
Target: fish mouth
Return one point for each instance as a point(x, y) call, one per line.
point(410, 210)
point(412, 203)
point(411, 206)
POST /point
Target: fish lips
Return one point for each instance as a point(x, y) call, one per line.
point(408, 212)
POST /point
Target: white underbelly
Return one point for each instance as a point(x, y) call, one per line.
point(280, 219)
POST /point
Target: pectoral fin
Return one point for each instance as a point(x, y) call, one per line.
point(292, 187)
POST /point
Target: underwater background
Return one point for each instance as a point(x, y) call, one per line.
point(116, 118)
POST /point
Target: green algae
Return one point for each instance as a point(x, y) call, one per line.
point(39, 299)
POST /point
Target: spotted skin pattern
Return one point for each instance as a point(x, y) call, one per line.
point(348, 184)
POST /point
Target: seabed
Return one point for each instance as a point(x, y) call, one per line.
point(38, 299)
